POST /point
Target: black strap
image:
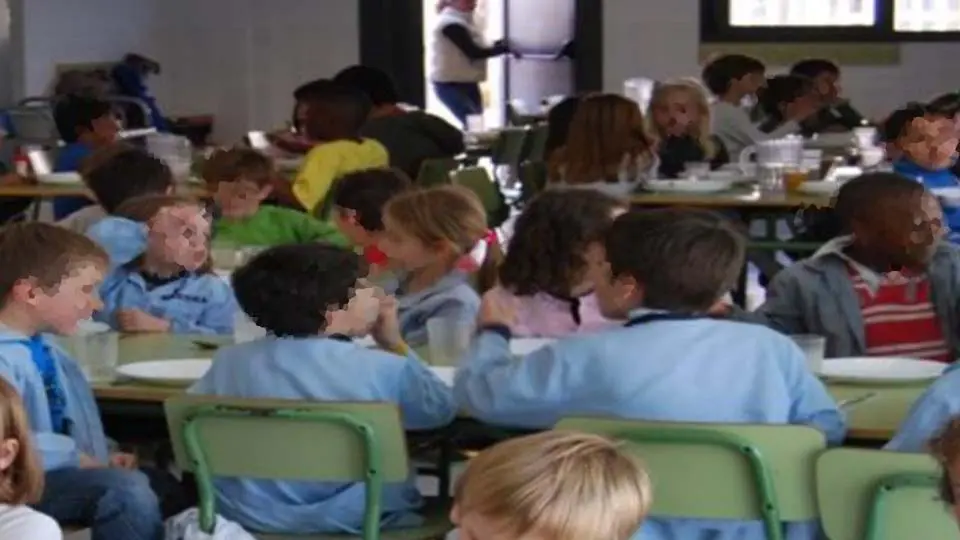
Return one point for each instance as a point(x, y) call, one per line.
point(664, 316)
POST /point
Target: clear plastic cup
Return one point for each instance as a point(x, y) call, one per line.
point(814, 348)
point(96, 353)
point(448, 339)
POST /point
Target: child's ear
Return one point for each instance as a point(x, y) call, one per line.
point(265, 191)
point(24, 290)
point(9, 448)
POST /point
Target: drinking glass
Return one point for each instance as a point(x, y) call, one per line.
point(96, 353)
point(448, 339)
point(813, 347)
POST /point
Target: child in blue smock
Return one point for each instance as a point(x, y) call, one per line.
point(663, 271)
point(927, 146)
point(430, 234)
point(85, 125)
point(929, 415)
point(294, 291)
point(48, 283)
point(160, 278)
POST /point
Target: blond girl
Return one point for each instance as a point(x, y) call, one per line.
point(427, 235)
point(607, 147)
point(680, 119)
point(21, 477)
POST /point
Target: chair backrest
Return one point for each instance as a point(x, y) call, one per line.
point(34, 125)
point(477, 180)
point(435, 172)
point(509, 146)
point(281, 439)
point(533, 179)
point(877, 495)
point(536, 145)
point(721, 471)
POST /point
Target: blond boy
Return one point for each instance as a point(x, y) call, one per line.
point(555, 485)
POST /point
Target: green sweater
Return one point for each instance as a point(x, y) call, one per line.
point(273, 225)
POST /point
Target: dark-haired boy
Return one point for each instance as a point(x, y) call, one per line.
point(48, 284)
point(85, 124)
point(662, 271)
point(836, 113)
point(307, 297)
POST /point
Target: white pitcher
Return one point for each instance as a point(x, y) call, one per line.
point(773, 154)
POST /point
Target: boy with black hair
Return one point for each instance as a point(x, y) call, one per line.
point(734, 78)
point(358, 200)
point(310, 299)
point(334, 116)
point(123, 174)
point(836, 113)
point(85, 124)
point(410, 137)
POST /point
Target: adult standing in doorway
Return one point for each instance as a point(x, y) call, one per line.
point(460, 54)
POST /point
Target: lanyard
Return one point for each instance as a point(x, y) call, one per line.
point(653, 317)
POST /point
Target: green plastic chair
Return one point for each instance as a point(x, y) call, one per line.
point(533, 179)
point(509, 147)
point(477, 180)
point(537, 143)
point(722, 471)
point(307, 441)
point(877, 495)
point(435, 172)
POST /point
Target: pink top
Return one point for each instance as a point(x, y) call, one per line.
point(544, 315)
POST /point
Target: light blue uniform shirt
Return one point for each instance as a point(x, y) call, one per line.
point(694, 370)
point(451, 298)
point(323, 369)
point(194, 304)
point(929, 414)
point(85, 431)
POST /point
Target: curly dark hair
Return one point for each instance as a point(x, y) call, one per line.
point(288, 289)
point(546, 251)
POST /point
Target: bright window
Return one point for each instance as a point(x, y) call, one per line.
point(779, 13)
point(926, 15)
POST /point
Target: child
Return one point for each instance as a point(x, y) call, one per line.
point(410, 137)
point(732, 79)
point(885, 287)
point(21, 476)
point(559, 118)
point(545, 269)
point(358, 200)
point(49, 283)
point(117, 175)
point(241, 179)
point(936, 410)
point(783, 95)
point(680, 119)
point(306, 297)
point(426, 233)
point(160, 278)
point(615, 163)
point(335, 116)
point(86, 124)
point(945, 448)
point(294, 140)
point(663, 270)
point(835, 113)
point(556, 485)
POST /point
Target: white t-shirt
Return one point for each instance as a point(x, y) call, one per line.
point(732, 125)
point(23, 522)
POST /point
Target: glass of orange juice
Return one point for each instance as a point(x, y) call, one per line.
point(792, 178)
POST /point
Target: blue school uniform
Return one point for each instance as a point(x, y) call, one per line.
point(452, 297)
point(658, 367)
point(323, 369)
point(22, 360)
point(194, 303)
point(935, 179)
point(929, 414)
point(69, 158)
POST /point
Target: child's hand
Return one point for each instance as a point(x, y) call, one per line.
point(134, 320)
point(88, 462)
point(357, 317)
point(497, 310)
point(123, 460)
point(386, 331)
point(720, 309)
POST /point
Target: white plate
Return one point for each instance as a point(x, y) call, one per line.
point(525, 346)
point(818, 187)
point(445, 373)
point(60, 178)
point(948, 195)
point(167, 372)
point(880, 370)
point(689, 186)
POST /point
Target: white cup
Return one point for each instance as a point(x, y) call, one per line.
point(448, 339)
point(96, 352)
point(814, 348)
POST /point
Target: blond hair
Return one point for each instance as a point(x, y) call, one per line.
point(695, 92)
point(607, 133)
point(22, 482)
point(558, 485)
point(452, 216)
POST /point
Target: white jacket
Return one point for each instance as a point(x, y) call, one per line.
point(448, 63)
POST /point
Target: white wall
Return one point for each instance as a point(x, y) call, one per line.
point(236, 59)
point(659, 39)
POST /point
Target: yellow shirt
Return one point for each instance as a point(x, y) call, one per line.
point(327, 162)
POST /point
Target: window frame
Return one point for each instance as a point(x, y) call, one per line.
point(715, 27)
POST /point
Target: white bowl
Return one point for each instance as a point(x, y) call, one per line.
point(60, 178)
point(689, 186)
point(882, 370)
